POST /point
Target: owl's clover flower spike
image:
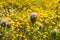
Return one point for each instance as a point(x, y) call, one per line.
point(33, 17)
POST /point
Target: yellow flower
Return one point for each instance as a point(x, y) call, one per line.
point(46, 32)
point(12, 27)
point(25, 39)
point(28, 27)
point(17, 35)
point(20, 34)
point(44, 36)
point(35, 37)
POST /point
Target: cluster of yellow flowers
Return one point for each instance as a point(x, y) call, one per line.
point(29, 19)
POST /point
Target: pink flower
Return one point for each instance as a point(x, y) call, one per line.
point(8, 23)
point(5, 23)
point(33, 16)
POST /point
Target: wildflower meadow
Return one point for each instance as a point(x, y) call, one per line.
point(29, 19)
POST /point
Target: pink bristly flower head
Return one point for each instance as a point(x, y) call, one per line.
point(33, 16)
